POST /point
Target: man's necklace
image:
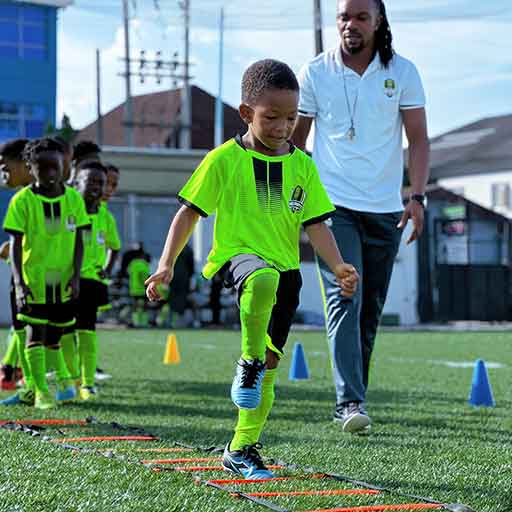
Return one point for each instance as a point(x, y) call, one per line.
point(351, 133)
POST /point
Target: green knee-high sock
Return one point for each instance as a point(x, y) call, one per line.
point(251, 422)
point(69, 350)
point(55, 360)
point(36, 357)
point(87, 350)
point(256, 303)
point(11, 355)
point(21, 338)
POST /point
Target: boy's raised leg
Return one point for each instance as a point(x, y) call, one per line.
point(256, 302)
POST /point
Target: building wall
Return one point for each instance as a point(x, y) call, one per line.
point(28, 69)
point(479, 189)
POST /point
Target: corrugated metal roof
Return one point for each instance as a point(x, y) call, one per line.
point(482, 147)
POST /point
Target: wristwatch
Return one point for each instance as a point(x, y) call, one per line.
point(419, 198)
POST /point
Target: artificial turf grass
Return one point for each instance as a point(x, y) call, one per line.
point(426, 439)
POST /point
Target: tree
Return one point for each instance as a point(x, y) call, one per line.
point(66, 130)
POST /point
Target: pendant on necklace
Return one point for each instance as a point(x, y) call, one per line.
point(351, 133)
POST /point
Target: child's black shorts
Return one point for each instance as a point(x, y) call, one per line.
point(93, 295)
point(240, 267)
point(56, 315)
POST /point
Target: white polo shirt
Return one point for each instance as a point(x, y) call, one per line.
point(365, 173)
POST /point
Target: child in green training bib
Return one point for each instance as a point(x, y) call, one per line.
point(45, 221)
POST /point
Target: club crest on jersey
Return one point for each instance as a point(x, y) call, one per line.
point(71, 223)
point(100, 237)
point(296, 203)
point(389, 87)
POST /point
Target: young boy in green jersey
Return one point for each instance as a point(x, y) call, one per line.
point(14, 174)
point(262, 190)
point(113, 241)
point(83, 151)
point(90, 182)
point(45, 221)
point(110, 251)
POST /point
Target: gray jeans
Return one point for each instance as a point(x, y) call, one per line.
point(370, 242)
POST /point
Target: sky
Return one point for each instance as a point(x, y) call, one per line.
point(462, 49)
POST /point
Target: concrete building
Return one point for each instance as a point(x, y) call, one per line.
point(28, 66)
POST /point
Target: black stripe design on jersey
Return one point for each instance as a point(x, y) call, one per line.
point(56, 210)
point(269, 185)
point(276, 187)
point(48, 292)
point(260, 176)
point(47, 208)
point(52, 212)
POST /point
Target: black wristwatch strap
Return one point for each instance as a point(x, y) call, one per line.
point(419, 198)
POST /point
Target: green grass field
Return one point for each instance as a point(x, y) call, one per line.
point(426, 440)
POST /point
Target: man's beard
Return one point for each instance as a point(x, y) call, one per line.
point(354, 50)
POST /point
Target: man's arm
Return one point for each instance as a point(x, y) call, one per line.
point(301, 131)
point(180, 231)
point(415, 124)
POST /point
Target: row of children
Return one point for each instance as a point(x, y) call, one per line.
point(62, 248)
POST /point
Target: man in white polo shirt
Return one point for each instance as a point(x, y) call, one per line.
point(360, 95)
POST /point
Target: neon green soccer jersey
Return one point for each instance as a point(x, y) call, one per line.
point(101, 237)
point(49, 227)
point(260, 202)
point(112, 240)
point(98, 238)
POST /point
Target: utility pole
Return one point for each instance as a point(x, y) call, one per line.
point(317, 16)
point(219, 106)
point(128, 106)
point(186, 103)
point(99, 122)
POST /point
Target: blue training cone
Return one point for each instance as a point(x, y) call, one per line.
point(481, 392)
point(299, 367)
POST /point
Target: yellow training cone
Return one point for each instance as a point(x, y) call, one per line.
point(172, 354)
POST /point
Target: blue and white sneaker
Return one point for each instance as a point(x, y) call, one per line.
point(246, 462)
point(65, 392)
point(246, 387)
point(22, 397)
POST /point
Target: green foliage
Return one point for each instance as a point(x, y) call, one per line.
point(426, 440)
point(66, 130)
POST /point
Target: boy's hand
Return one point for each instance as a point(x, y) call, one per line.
point(74, 286)
point(22, 294)
point(4, 250)
point(161, 276)
point(347, 277)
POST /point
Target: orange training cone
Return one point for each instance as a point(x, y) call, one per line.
point(172, 353)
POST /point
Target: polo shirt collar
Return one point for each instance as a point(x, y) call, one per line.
point(375, 64)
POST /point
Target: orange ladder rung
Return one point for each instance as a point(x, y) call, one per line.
point(214, 468)
point(44, 422)
point(382, 508)
point(244, 481)
point(332, 492)
point(180, 461)
point(103, 438)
